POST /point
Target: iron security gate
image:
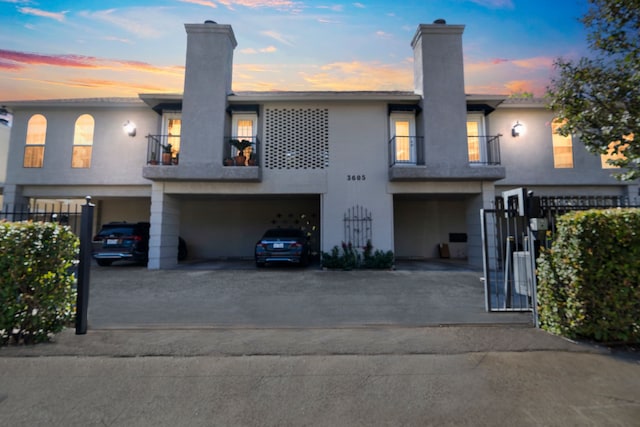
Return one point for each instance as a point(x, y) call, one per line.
point(509, 262)
point(512, 235)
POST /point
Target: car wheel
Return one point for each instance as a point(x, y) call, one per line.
point(260, 264)
point(104, 262)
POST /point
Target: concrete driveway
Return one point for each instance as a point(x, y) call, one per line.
point(239, 295)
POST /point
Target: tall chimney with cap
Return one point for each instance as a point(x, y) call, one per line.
point(439, 78)
point(207, 83)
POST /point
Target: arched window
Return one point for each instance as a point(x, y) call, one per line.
point(36, 134)
point(82, 142)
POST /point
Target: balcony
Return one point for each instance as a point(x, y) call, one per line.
point(484, 150)
point(165, 164)
point(163, 149)
point(246, 156)
point(409, 160)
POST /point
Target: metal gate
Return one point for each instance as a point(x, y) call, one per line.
point(510, 247)
point(512, 235)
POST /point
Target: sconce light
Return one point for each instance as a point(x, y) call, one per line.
point(517, 130)
point(129, 128)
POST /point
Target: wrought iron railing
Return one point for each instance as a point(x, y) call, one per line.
point(248, 156)
point(163, 149)
point(407, 150)
point(484, 149)
point(69, 214)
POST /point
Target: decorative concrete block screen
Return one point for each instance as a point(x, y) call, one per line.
point(296, 138)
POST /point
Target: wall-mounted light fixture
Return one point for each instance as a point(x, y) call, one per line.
point(129, 128)
point(517, 130)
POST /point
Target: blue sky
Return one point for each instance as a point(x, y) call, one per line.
point(69, 49)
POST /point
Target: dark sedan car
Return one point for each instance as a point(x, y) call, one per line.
point(283, 245)
point(126, 241)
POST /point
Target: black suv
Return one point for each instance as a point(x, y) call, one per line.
point(118, 241)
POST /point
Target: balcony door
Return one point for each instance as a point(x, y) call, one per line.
point(403, 131)
point(172, 129)
point(476, 138)
point(245, 126)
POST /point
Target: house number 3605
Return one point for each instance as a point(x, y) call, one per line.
point(356, 177)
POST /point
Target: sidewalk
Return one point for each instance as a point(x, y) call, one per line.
point(432, 376)
point(352, 349)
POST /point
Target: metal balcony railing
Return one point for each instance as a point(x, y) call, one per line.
point(163, 149)
point(407, 150)
point(484, 149)
point(250, 148)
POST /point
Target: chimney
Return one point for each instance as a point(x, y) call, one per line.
point(439, 78)
point(207, 83)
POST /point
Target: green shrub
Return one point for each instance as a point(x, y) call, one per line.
point(351, 258)
point(37, 293)
point(589, 280)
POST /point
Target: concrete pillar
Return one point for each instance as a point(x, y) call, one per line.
point(165, 228)
point(207, 83)
point(439, 78)
point(633, 193)
point(13, 198)
point(474, 237)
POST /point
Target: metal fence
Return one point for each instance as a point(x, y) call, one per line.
point(511, 247)
point(62, 214)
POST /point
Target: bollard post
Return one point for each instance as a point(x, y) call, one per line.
point(84, 267)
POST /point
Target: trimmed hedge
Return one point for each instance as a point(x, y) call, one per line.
point(589, 281)
point(351, 258)
point(37, 284)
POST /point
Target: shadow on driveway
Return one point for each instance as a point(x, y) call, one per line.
point(236, 294)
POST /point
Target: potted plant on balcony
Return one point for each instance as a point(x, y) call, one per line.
point(240, 145)
point(166, 154)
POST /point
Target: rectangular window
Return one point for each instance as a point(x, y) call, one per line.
point(81, 156)
point(33, 156)
point(562, 148)
point(610, 155)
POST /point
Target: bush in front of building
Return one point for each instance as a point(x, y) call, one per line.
point(351, 257)
point(589, 280)
point(37, 284)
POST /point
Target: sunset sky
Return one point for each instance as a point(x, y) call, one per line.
point(115, 48)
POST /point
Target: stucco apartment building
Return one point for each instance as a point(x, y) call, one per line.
point(406, 170)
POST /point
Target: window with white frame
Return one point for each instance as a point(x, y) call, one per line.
point(36, 136)
point(403, 137)
point(245, 127)
point(172, 128)
point(476, 138)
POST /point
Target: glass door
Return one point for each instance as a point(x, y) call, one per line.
point(403, 133)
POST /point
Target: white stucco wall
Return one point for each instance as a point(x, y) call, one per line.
point(528, 158)
point(117, 158)
point(5, 131)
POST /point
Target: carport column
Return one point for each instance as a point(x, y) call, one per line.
point(165, 227)
point(13, 198)
point(474, 237)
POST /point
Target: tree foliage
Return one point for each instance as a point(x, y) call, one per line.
point(598, 98)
